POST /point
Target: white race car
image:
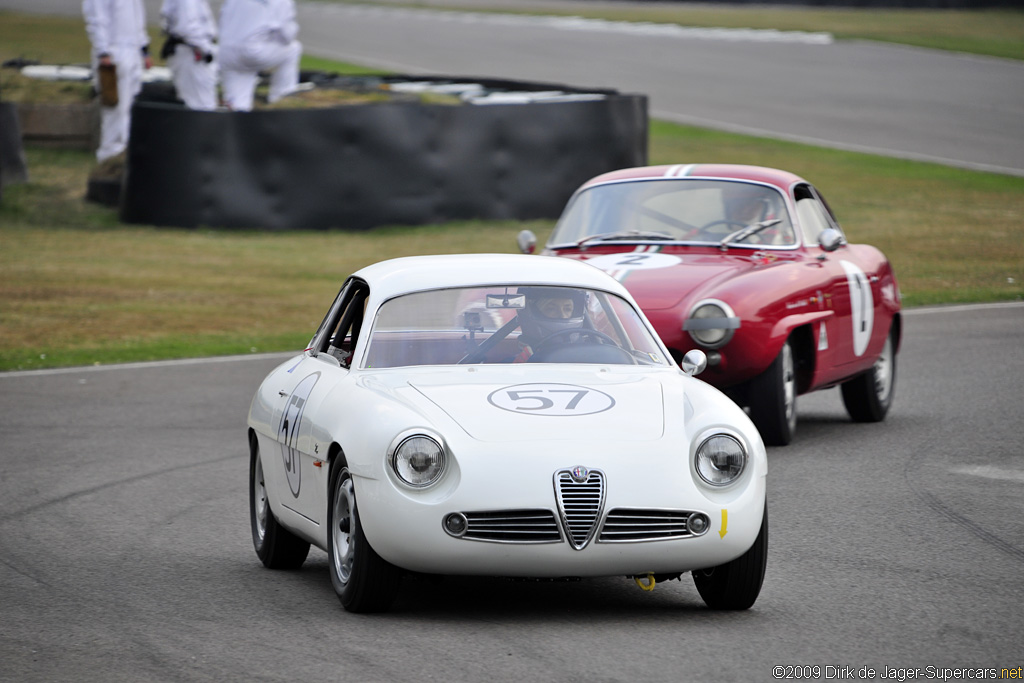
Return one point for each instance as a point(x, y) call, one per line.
point(502, 415)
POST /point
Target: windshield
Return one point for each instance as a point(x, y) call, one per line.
point(686, 210)
point(510, 324)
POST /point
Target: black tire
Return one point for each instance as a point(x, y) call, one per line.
point(772, 398)
point(363, 580)
point(868, 397)
point(276, 547)
point(735, 585)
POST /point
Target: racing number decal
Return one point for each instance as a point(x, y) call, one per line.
point(862, 306)
point(562, 400)
point(288, 431)
point(634, 260)
point(543, 402)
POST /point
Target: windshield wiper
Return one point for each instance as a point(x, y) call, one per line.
point(746, 232)
point(627, 235)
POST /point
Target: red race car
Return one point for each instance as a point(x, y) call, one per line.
point(749, 265)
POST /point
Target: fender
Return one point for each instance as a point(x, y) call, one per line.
point(784, 327)
point(783, 330)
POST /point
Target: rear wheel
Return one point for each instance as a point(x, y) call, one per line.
point(363, 580)
point(868, 397)
point(735, 585)
point(276, 547)
point(772, 398)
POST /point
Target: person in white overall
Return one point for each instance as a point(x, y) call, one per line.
point(117, 31)
point(258, 35)
point(190, 51)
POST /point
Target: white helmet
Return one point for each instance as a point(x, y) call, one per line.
point(549, 310)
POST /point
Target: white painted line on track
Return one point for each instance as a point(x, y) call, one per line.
point(714, 124)
point(958, 308)
point(991, 472)
point(149, 364)
point(581, 24)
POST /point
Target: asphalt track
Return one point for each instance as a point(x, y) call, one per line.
point(124, 536)
point(955, 109)
point(125, 552)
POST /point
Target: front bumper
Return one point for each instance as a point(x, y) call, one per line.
point(521, 530)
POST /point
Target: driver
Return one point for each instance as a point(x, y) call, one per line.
point(745, 204)
point(548, 310)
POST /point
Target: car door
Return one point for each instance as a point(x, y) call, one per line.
point(864, 281)
point(297, 390)
point(845, 291)
point(301, 391)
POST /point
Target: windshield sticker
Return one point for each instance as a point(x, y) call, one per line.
point(288, 431)
point(862, 305)
point(561, 400)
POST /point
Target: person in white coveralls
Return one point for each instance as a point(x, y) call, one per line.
point(117, 31)
point(190, 51)
point(258, 35)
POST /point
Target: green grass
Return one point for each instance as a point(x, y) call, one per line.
point(50, 40)
point(993, 32)
point(75, 295)
point(77, 287)
point(330, 66)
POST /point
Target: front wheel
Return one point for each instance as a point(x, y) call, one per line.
point(363, 580)
point(868, 397)
point(772, 399)
point(735, 585)
point(276, 547)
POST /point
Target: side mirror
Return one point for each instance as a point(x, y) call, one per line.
point(830, 239)
point(526, 241)
point(694, 362)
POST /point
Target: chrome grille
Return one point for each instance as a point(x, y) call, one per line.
point(631, 526)
point(580, 503)
point(512, 526)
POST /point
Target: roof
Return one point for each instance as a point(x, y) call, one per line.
point(417, 273)
point(759, 174)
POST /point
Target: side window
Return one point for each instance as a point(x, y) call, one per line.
point(340, 328)
point(812, 214)
point(346, 332)
point(828, 210)
point(321, 336)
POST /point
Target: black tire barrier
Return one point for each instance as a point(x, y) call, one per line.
point(13, 168)
point(361, 166)
point(105, 191)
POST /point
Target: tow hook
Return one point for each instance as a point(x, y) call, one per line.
point(649, 586)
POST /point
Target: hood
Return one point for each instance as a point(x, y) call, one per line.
point(574, 405)
point(663, 279)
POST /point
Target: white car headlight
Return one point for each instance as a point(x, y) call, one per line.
point(418, 460)
point(711, 323)
point(720, 459)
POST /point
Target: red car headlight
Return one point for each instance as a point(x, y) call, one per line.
point(711, 323)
